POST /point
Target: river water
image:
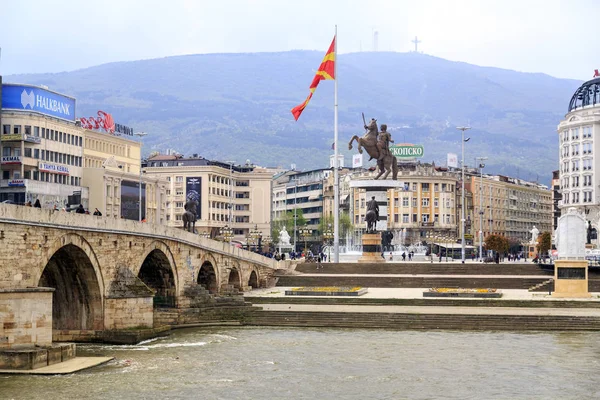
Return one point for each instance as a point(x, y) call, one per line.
point(294, 363)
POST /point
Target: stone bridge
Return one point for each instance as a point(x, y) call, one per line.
point(78, 276)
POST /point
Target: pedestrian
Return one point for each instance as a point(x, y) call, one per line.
point(80, 209)
point(440, 256)
point(404, 256)
point(28, 204)
point(392, 257)
point(37, 204)
point(97, 213)
point(409, 256)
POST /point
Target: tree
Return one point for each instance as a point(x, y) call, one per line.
point(544, 244)
point(497, 243)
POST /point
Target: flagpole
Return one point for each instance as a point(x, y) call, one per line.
point(336, 186)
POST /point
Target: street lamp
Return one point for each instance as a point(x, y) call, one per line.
point(305, 233)
point(462, 220)
point(256, 235)
point(481, 166)
point(328, 235)
point(226, 233)
point(140, 135)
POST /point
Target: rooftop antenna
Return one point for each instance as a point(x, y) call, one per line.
point(375, 40)
point(416, 42)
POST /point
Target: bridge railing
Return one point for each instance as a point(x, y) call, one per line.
point(14, 214)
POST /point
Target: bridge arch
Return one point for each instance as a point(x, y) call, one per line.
point(235, 278)
point(72, 269)
point(253, 279)
point(158, 271)
point(207, 277)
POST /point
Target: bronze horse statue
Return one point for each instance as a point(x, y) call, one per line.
point(189, 216)
point(371, 220)
point(369, 141)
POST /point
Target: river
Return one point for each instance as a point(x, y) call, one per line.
point(294, 363)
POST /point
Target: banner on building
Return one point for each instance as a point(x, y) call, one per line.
point(357, 160)
point(38, 99)
point(130, 200)
point(193, 192)
point(452, 160)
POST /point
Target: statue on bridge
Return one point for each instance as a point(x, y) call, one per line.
point(189, 216)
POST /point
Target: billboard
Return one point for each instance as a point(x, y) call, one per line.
point(452, 160)
point(130, 199)
point(193, 192)
point(37, 99)
point(407, 151)
point(357, 160)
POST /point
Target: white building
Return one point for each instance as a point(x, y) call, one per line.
point(578, 147)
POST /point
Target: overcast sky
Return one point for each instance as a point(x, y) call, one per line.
point(556, 37)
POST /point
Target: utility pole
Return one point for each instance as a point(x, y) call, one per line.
point(481, 166)
point(462, 220)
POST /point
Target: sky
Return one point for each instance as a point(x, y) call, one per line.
point(555, 37)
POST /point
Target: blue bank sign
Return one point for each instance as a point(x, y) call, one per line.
point(37, 99)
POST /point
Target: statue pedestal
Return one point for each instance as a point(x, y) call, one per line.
point(571, 279)
point(371, 248)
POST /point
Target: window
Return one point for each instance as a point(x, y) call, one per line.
point(414, 218)
point(36, 153)
point(414, 202)
point(27, 152)
point(405, 218)
point(425, 187)
point(6, 129)
point(414, 186)
point(435, 187)
point(425, 202)
point(405, 202)
point(28, 129)
point(424, 217)
point(436, 202)
point(179, 179)
point(17, 129)
point(36, 131)
point(6, 151)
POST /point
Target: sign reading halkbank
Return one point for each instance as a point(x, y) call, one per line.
point(37, 99)
point(407, 150)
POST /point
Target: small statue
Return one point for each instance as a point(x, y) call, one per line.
point(372, 215)
point(534, 234)
point(284, 237)
point(383, 142)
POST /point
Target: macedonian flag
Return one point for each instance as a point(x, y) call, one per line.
point(326, 71)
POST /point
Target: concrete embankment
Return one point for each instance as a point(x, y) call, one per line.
point(395, 299)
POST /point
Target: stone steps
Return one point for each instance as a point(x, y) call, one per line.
point(410, 282)
point(446, 302)
point(422, 321)
point(436, 268)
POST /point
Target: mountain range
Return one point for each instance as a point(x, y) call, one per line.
point(237, 106)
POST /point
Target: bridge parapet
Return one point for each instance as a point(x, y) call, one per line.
point(10, 213)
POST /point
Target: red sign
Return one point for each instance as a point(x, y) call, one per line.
point(596, 73)
point(103, 121)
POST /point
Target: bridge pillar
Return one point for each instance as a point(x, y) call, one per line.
point(26, 317)
point(129, 304)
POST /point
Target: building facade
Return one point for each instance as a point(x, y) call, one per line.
point(236, 197)
point(578, 147)
point(41, 147)
point(112, 173)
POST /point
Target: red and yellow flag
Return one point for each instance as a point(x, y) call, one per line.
point(326, 71)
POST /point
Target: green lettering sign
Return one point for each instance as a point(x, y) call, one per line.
point(407, 151)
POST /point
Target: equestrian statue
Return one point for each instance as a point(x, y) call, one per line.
point(372, 215)
point(189, 216)
point(377, 145)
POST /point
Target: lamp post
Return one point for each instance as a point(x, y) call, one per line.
point(227, 233)
point(140, 135)
point(305, 232)
point(295, 216)
point(256, 235)
point(462, 220)
point(481, 166)
point(328, 234)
